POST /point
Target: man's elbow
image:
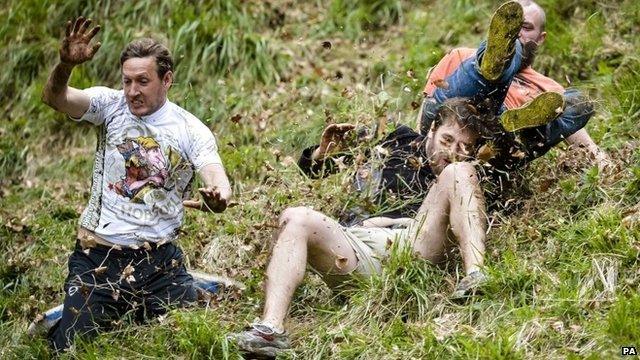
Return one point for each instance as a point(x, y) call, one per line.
point(49, 99)
point(46, 98)
point(578, 103)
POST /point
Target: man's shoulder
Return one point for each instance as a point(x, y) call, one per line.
point(460, 53)
point(401, 135)
point(104, 92)
point(192, 123)
point(179, 113)
point(104, 102)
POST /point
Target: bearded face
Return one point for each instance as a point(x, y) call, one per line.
point(529, 52)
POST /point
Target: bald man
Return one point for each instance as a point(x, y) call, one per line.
point(526, 86)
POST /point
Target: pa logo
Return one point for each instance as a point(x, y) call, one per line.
point(629, 350)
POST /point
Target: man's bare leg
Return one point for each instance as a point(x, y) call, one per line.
point(455, 202)
point(304, 236)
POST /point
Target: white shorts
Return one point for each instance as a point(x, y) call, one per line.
point(371, 245)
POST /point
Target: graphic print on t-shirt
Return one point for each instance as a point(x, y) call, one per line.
point(146, 168)
point(146, 175)
point(143, 168)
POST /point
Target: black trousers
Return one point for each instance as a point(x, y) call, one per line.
point(105, 284)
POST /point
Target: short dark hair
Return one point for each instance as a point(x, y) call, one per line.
point(146, 47)
point(466, 113)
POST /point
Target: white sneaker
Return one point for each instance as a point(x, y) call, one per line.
point(44, 322)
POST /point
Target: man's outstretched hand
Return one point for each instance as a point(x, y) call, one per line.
point(332, 140)
point(76, 45)
point(213, 200)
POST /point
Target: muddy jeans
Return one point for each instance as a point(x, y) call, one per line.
point(467, 82)
point(104, 284)
point(539, 140)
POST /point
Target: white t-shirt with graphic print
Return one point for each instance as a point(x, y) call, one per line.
point(143, 168)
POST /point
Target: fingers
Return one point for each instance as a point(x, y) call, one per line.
point(80, 28)
point(84, 26)
point(94, 49)
point(343, 130)
point(193, 204)
point(211, 193)
point(213, 200)
point(336, 129)
point(205, 192)
point(68, 29)
point(345, 127)
point(330, 127)
point(78, 24)
point(93, 32)
point(327, 132)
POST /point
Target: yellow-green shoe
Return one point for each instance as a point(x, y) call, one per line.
point(503, 30)
point(539, 111)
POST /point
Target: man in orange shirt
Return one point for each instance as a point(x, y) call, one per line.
point(525, 86)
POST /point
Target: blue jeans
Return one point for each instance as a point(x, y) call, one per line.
point(578, 109)
point(467, 82)
point(538, 141)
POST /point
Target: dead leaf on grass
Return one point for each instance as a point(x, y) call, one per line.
point(236, 118)
point(115, 295)
point(518, 154)
point(127, 273)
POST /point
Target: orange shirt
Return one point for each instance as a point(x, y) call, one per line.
point(525, 86)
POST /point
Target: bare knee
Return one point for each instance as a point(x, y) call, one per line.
point(294, 215)
point(458, 172)
point(309, 225)
point(301, 222)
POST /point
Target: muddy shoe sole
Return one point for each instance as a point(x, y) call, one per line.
point(503, 30)
point(540, 111)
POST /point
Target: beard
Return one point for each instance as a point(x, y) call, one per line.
point(529, 52)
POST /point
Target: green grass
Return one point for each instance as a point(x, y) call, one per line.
point(564, 273)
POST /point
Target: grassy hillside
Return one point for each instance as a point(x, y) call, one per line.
point(266, 77)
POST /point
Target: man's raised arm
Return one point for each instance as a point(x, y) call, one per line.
point(315, 161)
point(75, 50)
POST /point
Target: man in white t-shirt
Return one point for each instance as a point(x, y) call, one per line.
point(125, 259)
